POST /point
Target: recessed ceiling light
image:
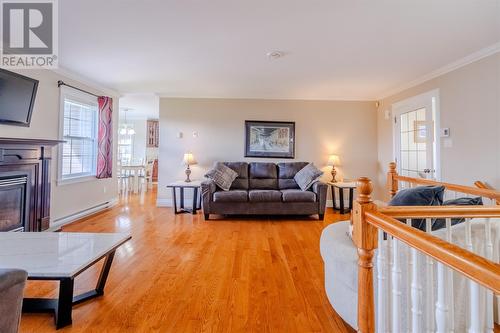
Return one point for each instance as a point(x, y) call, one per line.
point(275, 54)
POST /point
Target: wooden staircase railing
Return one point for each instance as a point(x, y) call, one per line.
point(368, 218)
point(482, 185)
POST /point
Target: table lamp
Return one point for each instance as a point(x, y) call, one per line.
point(333, 161)
point(187, 161)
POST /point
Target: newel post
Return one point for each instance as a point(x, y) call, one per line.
point(365, 239)
point(392, 182)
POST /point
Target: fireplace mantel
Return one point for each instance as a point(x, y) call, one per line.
point(35, 142)
point(31, 157)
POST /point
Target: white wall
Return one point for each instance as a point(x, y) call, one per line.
point(66, 199)
point(322, 128)
point(470, 107)
point(139, 147)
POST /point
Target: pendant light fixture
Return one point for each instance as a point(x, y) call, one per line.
point(125, 130)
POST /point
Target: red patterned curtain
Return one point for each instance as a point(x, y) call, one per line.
point(105, 143)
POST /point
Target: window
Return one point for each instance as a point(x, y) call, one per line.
point(78, 155)
point(125, 143)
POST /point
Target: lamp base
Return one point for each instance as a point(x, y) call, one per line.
point(188, 173)
point(334, 173)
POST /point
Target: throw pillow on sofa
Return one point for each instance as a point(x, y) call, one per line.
point(441, 223)
point(222, 175)
point(307, 176)
point(419, 196)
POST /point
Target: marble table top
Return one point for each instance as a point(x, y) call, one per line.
point(56, 254)
point(181, 183)
point(343, 184)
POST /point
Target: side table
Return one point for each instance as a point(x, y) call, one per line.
point(181, 185)
point(341, 186)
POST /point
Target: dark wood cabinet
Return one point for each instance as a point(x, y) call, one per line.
point(25, 176)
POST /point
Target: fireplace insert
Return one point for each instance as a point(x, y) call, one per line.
point(14, 201)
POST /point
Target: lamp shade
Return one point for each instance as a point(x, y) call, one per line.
point(189, 159)
point(333, 160)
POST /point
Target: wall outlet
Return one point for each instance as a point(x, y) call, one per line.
point(179, 135)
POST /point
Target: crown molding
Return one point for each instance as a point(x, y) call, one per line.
point(331, 99)
point(471, 58)
point(86, 81)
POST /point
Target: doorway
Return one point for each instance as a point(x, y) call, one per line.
point(416, 136)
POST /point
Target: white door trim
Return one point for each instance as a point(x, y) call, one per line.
point(414, 103)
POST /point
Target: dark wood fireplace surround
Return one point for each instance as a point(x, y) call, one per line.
point(31, 158)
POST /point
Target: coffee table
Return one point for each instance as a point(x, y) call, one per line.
point(60, 256)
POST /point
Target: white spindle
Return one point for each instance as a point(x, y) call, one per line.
point(382, 284)
point(474, 303)
point(416, 293)
point(396, 286)
point(407, 286)
point(429, 304)
point(449, 279)
point(489, 325)
point(475, 320)
point(388, 290)
point(441, 306)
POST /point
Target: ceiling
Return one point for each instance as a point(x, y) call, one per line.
point(139, 106)
point(334, 49)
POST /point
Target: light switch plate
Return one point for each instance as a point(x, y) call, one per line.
point(387, 114)
point(445, 132)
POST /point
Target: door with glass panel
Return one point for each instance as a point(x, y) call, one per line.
point(415, 137)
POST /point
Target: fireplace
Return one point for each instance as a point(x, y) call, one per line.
point(25, 184)
point(14, 197)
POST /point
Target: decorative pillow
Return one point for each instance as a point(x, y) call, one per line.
point(478, 201)
point(222, 175)
point(419, 196)
point(307, 176)
point(441, 223)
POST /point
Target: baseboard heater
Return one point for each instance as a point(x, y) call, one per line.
point(58, 223)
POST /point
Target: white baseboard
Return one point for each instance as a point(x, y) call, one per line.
point(58, 223)
point(329, 203)
point(167, 202)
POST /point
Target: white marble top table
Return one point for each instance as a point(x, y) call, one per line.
point(56, 254)
point(181, 183)
point(343, 184)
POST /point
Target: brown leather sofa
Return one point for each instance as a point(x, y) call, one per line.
point(264, 189)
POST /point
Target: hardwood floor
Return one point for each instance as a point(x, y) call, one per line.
point(180, 273)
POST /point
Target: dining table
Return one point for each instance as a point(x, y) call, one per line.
point(134, 170)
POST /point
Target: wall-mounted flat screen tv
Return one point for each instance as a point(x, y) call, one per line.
point(17, 98)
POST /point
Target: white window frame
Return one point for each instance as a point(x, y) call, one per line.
point(79, 96)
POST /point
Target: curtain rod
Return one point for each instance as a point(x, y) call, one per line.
point(61, 83)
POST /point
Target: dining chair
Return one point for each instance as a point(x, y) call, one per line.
point(146, 179)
